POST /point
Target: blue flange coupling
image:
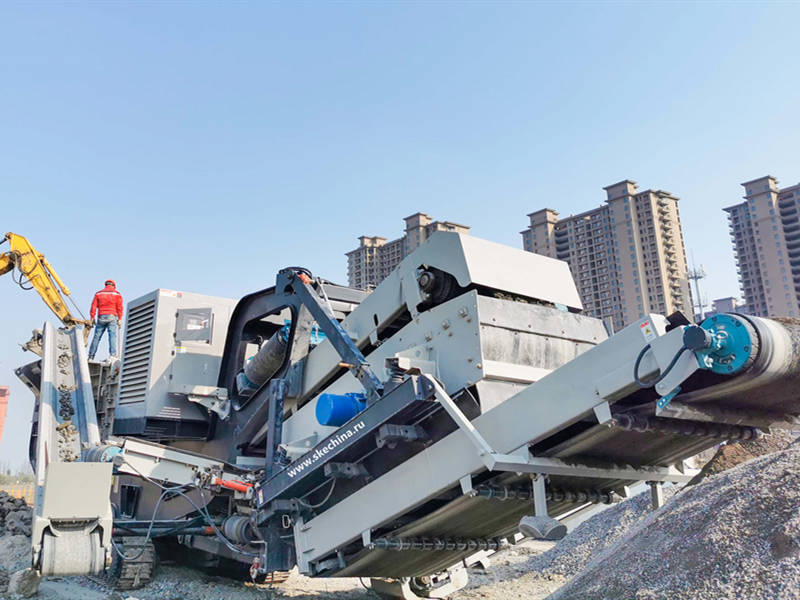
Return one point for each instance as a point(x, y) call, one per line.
point(731, 343)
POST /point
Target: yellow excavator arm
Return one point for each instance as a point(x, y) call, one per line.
point(37, 273)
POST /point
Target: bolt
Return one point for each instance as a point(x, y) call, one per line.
point(426, 281)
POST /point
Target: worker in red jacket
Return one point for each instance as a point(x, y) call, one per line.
point(107, 306)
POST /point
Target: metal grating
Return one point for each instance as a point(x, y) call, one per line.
point(136, 355)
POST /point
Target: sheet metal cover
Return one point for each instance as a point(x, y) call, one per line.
point(509, 269)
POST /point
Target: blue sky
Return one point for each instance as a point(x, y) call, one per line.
point(202, 146)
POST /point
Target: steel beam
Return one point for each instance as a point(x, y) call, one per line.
point(555, 466)
point(556, 401)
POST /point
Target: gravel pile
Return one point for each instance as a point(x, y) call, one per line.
point(599, 549)
point(15, 515)
point(736, 535)
point(542, 573)
point(15, 557)
point(729, 455)
point(184, 583)
point(15, 546)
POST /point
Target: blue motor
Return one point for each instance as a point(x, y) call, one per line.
point(334, 410)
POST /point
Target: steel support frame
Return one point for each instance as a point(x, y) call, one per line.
point(524, 462)
point(340, 340)
point(554, 466)
point(602, 374)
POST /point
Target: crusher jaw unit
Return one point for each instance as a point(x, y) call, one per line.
point(395, 434)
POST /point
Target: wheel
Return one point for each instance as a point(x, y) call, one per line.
point(71, 553)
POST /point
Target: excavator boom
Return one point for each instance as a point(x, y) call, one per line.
point(37, 273)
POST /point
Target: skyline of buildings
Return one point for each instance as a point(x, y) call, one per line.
point(627, 256)
point(765, 231)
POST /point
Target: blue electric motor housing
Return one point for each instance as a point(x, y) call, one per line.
point(734, 343)
point(334, 410)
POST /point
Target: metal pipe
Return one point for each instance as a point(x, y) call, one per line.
point(645, 423)
point(161, 531)
point(504, 493)
point(435, 544)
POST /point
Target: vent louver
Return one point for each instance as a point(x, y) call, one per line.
point(136, 354)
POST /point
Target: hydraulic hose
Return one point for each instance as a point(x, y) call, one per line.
point(657, 380)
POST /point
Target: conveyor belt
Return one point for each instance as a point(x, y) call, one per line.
point(765, 393)
point(72, 510)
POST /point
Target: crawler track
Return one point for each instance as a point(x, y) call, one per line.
point(130, 574)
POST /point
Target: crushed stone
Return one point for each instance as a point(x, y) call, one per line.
point(14, 510)
point(185, 583)
point(542, 573)
point(731, 454)
point(24, 583)
point(736, 535)
point(15, 544)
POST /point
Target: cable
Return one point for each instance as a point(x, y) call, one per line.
point(80, 312)
point(327, 497)
point(147, 536)
point(178, 490)
point(324, 295)
point(660, 378)
point(19, 281)
point(202, 511)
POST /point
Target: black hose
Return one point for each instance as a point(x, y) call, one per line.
point(203, 512)
point(660, 378)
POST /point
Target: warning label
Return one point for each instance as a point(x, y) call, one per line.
point(648, 331)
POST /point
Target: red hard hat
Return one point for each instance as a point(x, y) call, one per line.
point(111, 282)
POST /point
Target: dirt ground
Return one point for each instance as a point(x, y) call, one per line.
point(738, 531)
point(183, 583)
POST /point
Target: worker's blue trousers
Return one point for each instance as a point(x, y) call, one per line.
point(104, 322)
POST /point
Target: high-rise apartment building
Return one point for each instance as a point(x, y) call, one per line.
point(729, 304)
point(766, 239)
point(375, 258)
point(627, 256)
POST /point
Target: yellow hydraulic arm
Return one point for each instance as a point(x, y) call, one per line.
point(37, 273)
